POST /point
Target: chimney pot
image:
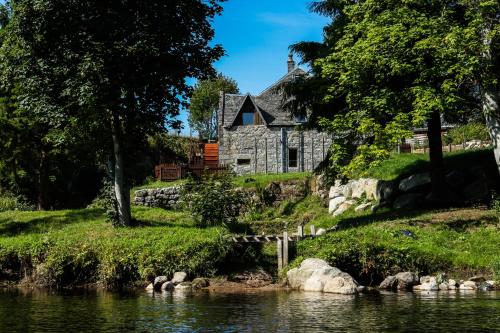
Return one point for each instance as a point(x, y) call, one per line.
point(291, 63)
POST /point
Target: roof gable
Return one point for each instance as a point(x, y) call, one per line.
point(248, 97)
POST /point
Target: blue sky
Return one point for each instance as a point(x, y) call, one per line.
point(256, 35)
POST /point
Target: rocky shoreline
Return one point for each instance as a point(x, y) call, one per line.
point(316, 275)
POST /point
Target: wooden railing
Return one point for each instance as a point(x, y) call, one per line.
point(172, 171)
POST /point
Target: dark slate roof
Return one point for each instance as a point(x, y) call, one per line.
point(268, 103)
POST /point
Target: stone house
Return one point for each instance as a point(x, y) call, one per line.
point(256, 135)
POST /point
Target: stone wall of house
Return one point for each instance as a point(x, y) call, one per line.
point(262, 149)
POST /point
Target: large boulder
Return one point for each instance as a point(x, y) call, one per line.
point(317, 275)
point(389, 282)
point(415, 182)
point(364, 187)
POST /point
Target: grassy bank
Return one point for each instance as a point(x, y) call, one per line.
point(461, 242)
point(72, 247)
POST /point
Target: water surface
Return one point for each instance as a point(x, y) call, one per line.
point(272, 311)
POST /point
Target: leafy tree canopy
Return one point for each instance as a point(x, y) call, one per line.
point(114, 68)
point(387, 66)
point(205, 103)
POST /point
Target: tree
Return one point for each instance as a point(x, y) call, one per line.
point(117, 68)
point(205, 103)
point(396, 65)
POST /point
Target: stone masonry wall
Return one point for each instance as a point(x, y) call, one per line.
point(264, 147)
point(166, 198)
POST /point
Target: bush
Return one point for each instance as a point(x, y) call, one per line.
point(9, 201)
point(468, 132)
point(106, 200)
point(213, 201)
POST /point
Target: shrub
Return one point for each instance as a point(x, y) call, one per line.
point(213, 201)
point(106, 200)
point(8, 201)
point(468, 132)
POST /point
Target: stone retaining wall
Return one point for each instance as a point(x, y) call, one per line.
point(166, 198)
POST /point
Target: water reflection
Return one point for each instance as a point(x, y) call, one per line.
point(250, 312)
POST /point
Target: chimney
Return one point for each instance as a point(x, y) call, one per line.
point(291, 63)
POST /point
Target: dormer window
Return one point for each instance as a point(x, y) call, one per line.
point(249, 115)
point(300, 118)
point(247, 118)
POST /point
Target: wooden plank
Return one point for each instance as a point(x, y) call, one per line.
point(285, 248)
point(313, 230)
point(279, 246)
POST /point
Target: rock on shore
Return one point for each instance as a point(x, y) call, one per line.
point(317, 275)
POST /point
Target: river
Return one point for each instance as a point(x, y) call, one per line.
point(270, 311)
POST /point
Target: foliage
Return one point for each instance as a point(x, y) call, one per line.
point(204, 104)
point(213, 200)
point(8, 201)
point(106, 201)
point(67, 248)
point(387, 66)
point(468, 132)
point(169, 148)
point(263, 180)
point(403, 165)
point(115, 69)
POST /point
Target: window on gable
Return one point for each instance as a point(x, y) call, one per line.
point(247, 118)
point(293, 157)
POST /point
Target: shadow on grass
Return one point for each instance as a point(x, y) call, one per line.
point(57, 220)
point(463, 161)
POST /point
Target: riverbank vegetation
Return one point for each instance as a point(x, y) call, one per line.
point(76, 247)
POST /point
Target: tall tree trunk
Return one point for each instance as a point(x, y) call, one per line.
point(122, 192)
point(436, 157)
point(42, 182)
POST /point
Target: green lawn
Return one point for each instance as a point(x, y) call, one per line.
point(79, 246)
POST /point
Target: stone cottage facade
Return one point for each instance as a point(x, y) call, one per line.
point(257, 136)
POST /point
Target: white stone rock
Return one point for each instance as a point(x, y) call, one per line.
point(344, 207)
point(336, 191)
point(335, 204)
point(363, 207)
point(321, 232)
point(179, 277)
point(468, 285)
point(316, 275)
point(444, 286)
point(429, 284)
